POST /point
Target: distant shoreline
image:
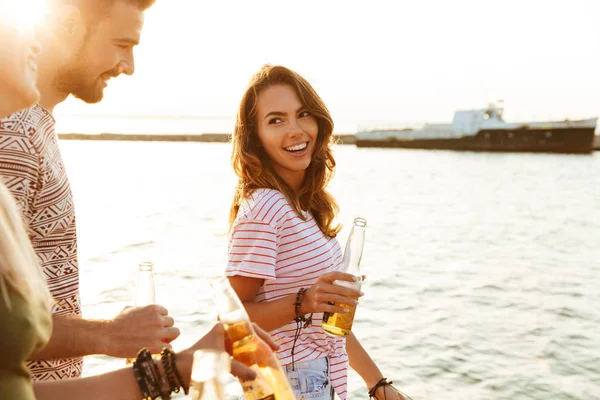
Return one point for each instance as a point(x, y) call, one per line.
point(202, 137)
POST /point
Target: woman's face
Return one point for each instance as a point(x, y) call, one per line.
point(18, 69)
point(287, 131)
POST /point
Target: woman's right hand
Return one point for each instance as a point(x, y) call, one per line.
point(215, 339)
point(320, 296)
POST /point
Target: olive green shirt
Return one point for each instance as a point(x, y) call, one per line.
point(24, 329)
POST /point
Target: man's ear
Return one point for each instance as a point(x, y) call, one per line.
point(70, 23)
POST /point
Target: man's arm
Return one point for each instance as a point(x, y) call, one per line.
point(123, 336)
point(121, 384)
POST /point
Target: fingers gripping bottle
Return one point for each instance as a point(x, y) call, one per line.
point(248, 348)
point(340, 324)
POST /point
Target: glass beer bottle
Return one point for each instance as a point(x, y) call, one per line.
point(340, 324)
point(209, 375)
point(144, 291)
point(248, 348)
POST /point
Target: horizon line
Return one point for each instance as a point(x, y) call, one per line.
point(149, 116)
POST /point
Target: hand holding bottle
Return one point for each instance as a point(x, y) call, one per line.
point(212, 365)
point(136, 327)
point(147, 325)
point(249, 348)
point(324, 294)
point(340, 323)
point(215, 339)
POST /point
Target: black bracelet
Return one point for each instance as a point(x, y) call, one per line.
point(297, 303)
point(382, 382)
point(164, 356)
point(173, 361)
point(151, 376)
point(139, 377)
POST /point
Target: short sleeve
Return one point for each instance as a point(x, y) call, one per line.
point(252, 250)
point(19, 166)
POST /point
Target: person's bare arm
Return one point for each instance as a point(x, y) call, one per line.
point(363, 364)
point(122, 385)
point(275, 314)
point(123, 336)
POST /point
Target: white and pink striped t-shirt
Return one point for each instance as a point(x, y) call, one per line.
point(270, 241)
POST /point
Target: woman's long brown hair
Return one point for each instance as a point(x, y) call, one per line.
point(254, 168)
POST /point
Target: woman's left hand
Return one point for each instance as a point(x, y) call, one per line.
point(388, 392)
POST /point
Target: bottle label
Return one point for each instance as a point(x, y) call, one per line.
point(259, 388)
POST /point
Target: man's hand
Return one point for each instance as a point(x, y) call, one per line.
point(136, 327)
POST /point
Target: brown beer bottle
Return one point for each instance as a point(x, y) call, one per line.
point(340, 324)
point(248, 348)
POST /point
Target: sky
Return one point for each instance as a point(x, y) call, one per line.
point(371, 60)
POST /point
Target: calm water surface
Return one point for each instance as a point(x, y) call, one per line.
point(483, 269)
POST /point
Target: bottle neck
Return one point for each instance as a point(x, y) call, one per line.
point(230, 308)
point(146, 267)
point(354, 250)
point(145, 292)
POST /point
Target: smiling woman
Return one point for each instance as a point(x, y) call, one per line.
point(283, 252)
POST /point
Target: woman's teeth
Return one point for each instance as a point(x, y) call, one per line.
point(298, 147)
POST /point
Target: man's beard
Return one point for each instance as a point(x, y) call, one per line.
point(79, 81)
point(76, 78)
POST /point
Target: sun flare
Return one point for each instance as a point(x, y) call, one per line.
point(23, 13)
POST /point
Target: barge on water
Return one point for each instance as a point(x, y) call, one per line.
point(485, 130)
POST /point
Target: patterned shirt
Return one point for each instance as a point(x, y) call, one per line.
point(31, 166)
point(270, 241)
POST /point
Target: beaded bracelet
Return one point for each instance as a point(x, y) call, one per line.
point(301, 318)
point(139, 377)
point(151, 374)
point(164, 356)
point(152, 384)
point(173, 366)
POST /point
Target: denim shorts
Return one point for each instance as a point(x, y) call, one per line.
point(310, 379)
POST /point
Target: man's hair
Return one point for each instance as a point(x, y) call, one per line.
point(93, 9)
point(141, 4)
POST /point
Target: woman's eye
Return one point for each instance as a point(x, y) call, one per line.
point(304, 114)
point(274, 121)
